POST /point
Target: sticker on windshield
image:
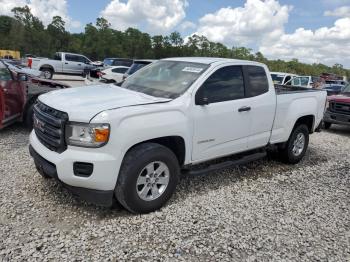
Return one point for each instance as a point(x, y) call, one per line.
point(196, 70)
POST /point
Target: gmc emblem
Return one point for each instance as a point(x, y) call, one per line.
point(38, 124)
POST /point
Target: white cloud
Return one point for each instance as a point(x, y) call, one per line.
point(327, 45)
point(8, 5)
point(186, 25)
point(258, 19)
point(261, 24)
point(45, 10)
point(154, 16)
point(343, 11)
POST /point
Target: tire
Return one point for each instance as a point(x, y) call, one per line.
point(28, 119)
point(133, 170)
point(293, 152)
point(48, 73)
point(327, 125)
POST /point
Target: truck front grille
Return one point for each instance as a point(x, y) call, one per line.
point(49, 126)
point(341, 108)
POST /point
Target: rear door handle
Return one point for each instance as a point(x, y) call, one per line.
point(66, 63)
point(245, 109)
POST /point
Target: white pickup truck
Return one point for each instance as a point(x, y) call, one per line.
point(130, 143)
point(63, 63)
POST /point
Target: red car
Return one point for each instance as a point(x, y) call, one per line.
point(338, 109)
point(18, 94)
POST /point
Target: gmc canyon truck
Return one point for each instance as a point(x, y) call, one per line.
point(18, 93)
point(130, 143)
point(63, 63)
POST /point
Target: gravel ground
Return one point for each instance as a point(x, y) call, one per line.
point(259, 212)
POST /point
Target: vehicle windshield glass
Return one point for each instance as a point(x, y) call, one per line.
point(346, 89)
point(168, 79)
point(277, 79)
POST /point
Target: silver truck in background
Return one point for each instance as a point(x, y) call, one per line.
point(62, 63)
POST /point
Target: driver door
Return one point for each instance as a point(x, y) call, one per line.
point(222, 126)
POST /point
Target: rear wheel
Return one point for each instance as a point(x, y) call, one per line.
point(296, 146)
point(47, 72)
point(147, 178)
point(327, 125)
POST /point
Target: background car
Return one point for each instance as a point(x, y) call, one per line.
point(137, 65)
point(280, 78)
point(334, 89)
point(113, 74)
point(117, 62)
point(338, 109)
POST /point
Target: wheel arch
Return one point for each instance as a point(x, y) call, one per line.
point(46, 66)
point(308, 120)
point(175, 143)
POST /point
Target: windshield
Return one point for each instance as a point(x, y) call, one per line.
point(277, 79)
point(346, 89)
point(168, 79)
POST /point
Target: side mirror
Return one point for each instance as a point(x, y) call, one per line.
point(22, 77)
point(201, 100)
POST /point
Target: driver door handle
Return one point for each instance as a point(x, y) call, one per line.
point(244, 109)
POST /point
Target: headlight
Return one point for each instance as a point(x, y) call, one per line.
point(87, 135)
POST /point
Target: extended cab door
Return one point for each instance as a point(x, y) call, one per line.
point(262, 101)
point(12, 96)
point(221, 127)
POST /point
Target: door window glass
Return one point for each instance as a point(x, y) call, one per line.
point(72, 58)
point(257, 78)
point(224, 84)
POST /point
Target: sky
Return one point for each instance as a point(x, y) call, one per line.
point(309, 30)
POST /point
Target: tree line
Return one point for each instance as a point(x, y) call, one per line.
point(26, 33)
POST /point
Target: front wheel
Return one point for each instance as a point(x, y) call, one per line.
point(295, 148)
point(147, 178)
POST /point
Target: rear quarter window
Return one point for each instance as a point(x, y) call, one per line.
point(257, 80)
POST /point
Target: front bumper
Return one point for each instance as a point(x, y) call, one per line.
point(97, 197)
point(97, 188)
point(336, 118)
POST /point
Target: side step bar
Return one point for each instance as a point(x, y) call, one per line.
point(226, 164)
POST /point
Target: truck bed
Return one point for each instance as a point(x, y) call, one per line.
point(284, 89)
point(293, 102)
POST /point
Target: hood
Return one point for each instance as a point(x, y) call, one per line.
point(341, 98)
point(83, 103)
